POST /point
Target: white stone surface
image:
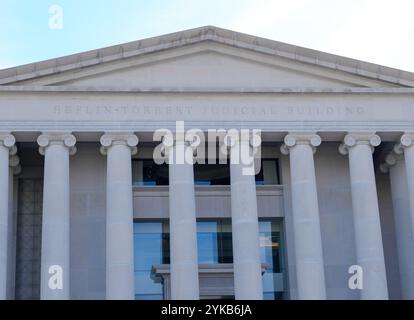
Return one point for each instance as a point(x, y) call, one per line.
point(53, 71)
point(119, 215)
point(220, 67)
point(305, 211)
point(56, 147)
point(368, 237)
point(14, 169)
point(183, 231)
point(404, 235)
point(388, 235)
point(406, 146)
point(6, 147)
point(245, 227)
point(336, 220)
point(88, 223)
point(296, 110)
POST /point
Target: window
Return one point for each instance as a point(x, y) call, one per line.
point(269, 172)
point(149, 243)
point(148, 173)
point(212, 174)
point(271, 255)
point(214, 241)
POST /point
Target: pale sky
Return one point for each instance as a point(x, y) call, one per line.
point(378, 31)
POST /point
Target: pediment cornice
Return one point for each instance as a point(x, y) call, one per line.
point(204, 35)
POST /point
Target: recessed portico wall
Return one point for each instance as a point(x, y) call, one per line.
point(334, 196)
point(88, 221)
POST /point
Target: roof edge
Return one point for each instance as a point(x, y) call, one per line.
point(197, 35)
point(218, 90)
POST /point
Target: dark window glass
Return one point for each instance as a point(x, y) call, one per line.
point(269, 173)
point(212, 174)
point(225, 242)
point(148, 173)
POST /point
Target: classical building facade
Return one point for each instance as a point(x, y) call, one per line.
point(87, 213)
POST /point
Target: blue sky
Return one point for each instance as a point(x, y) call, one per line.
point(379, 31)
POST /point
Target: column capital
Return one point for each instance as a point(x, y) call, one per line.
point(390, 160)
point(14, 161)
point(119, 138)
point(300, 138)
point(8, 141)
point(47, 139)
point(406, 141)
point(353, 139)
point(235, 137)
point(14, 164)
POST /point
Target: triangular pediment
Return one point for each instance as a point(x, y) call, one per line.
point(206, 58)
point(208, 67)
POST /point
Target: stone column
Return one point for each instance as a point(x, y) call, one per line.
point(14, 169)
point(55, 264)
point(368, 238)
point(119, 215)
point(244, 220)
point(7, 148)
point(406, 147)
point(305, 211)
point(183, 230)
point(395, 165)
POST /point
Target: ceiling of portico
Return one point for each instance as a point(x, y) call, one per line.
point(206, 58)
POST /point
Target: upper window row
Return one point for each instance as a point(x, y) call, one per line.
point(147, 173)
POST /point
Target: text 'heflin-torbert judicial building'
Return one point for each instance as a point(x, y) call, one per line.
point(87, 211)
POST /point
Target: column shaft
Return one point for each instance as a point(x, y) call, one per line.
point(409, 164)
point(183, 231)
point(306, 224)
point(4, 195)
point(55, 224)
point(367, 226)
point(14, 168)
point(119, 224)
point(403, 232)
point(245, 229)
